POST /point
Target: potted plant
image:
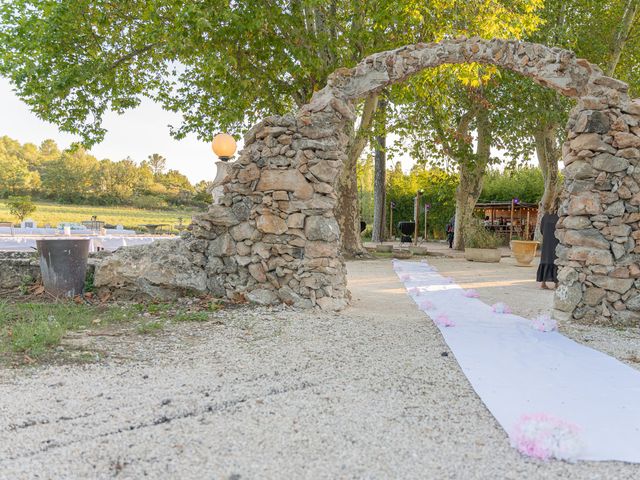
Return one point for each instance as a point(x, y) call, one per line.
point(523, 251)
point(481, 245)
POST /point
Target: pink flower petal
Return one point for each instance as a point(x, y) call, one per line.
point(501, 307)
point(444, 321)
point(544, 323)
point(414, 291)
point(544, 436)
point(471, 293)
point(426, 305)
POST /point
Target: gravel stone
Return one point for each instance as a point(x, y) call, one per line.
point(274, 393)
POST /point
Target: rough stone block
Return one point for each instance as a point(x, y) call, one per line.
point(609, 163)
point(584, 204)
point(586, 238)
point(321, 228)
point(567, 297)
point(269, 223)
point(619, 285)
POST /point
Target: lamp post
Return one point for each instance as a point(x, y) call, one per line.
point(416, 215)
point(224, 147)
point(392, 205)
point(427, 206)
point(514, 202)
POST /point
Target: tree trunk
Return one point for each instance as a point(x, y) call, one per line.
point(471, 176)
point(380, 172)
point(547, 153)
point(622, 35)
point(347, 211)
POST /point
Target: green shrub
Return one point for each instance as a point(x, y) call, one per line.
point(477, 236)
point(150, 327)
point(368, 232)
point(20, 206)
point(149, 202)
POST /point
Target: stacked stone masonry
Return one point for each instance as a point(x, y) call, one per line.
point(272, 236)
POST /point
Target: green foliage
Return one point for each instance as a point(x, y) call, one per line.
point(76, 176)
point(33, 328)
point(36, 328)
point(27, 281)
point(221, 64)
point(150, 327)
point(20, 206)
point(17, 168)
point(149, 202)
point(477, 236)
point(156, 163)
point(439, 191)
point(439, 186)
point(89, 286)
point(524, 183)
point(191, 317)
point(203, 193)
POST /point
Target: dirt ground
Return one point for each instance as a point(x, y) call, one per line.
point(371, 392)
point(500, 282)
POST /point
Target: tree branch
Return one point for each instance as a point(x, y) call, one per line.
point(133, 54)
point(622, 35)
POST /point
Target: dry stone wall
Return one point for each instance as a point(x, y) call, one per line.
point(271, 235)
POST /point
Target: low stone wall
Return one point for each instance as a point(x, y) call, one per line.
point(18, 269)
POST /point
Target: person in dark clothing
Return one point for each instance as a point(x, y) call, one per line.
point(547, 270)
point(451, 226)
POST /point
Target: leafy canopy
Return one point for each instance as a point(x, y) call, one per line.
point(220, 64)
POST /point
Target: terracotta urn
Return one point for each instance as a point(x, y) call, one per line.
point(524, 251)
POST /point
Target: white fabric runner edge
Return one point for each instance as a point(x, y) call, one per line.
point(517, 370)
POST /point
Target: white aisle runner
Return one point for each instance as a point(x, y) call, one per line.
point(519, 371)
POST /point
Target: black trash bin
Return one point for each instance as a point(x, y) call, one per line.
point(63, 264)
point(407, 229)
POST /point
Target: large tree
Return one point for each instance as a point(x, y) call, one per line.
point(444, 114)
point(455, 132)
point(537, 116)
point(220, 64)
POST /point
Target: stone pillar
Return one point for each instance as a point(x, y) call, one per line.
point(598, 255)
point(217, 187)
point(271, 235)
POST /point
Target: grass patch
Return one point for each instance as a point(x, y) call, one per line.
point(34, 328)
point(153, 308)
point(150, 327)
point(191, 317)
point(130, 217)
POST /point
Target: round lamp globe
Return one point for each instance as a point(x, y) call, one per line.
point(224, 146)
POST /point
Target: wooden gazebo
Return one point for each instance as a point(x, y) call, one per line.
point(510, 219)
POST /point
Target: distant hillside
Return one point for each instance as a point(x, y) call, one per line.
point(75, 176)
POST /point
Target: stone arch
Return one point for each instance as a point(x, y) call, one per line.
point(271, 236)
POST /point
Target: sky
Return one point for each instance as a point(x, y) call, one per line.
point(137, 134)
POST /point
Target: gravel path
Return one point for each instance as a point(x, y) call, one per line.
point(368, 393)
